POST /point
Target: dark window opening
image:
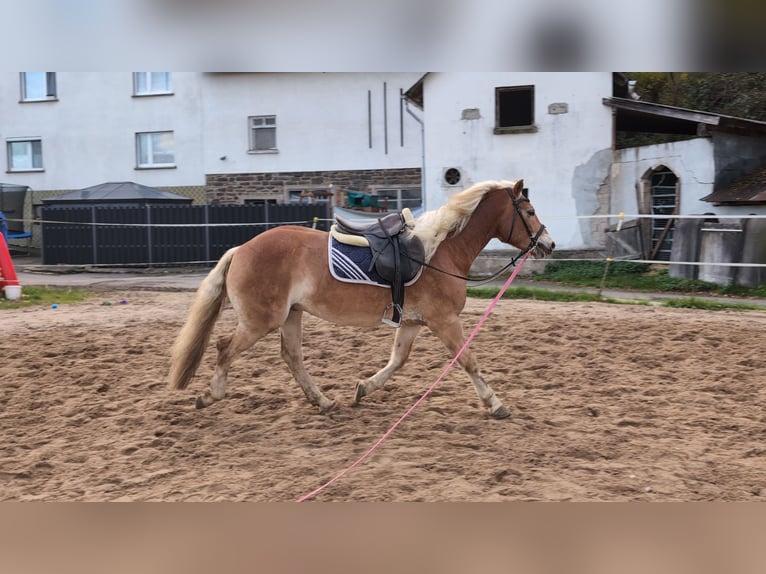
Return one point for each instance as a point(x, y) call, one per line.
point(514, 108)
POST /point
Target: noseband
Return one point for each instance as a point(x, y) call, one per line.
point(533, 237)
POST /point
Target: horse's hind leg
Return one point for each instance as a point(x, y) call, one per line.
point(450, 331)
point(403, 340)
point(229, 348)
point(291, 334)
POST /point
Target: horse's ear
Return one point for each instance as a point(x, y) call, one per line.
point(518, 187)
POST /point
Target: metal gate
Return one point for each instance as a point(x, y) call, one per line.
point(664, 193)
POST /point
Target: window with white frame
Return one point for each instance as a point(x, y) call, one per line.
point(38, 86)
point(25, 155)
point(155, 149)
point(152, 83)
point(263, 133)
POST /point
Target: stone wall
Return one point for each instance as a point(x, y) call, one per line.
point(235, 188)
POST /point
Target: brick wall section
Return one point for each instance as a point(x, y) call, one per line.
point(235, 188)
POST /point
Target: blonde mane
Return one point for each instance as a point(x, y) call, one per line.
point(433, 227)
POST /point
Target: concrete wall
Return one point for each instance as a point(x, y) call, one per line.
point(564, 163)
point(736, 155)
point(322, 122)
point(690, 160)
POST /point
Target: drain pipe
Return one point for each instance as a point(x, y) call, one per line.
point(422, 151)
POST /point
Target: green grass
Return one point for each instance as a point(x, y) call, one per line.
point(636, 276)
point(44, 296)
point(628, 276)
point(539, 294)
point(695, 303)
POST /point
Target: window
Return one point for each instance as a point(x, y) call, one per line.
point(38, 86)
point(155, 149)
point(515, 110)
point(151, 83)
point(399, 198)
point(309, 195)
point(263, 134)
point(25, 155)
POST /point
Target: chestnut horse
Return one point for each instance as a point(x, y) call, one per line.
point(276, 276)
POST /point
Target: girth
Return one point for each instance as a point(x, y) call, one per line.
point(396, 252)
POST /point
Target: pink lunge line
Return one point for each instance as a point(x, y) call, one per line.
point(428, 390)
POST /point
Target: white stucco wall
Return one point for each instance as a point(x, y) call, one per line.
point(322, 122)
point(562, 163)
point(690, 160)
point(88, 134)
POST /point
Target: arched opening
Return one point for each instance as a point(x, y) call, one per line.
point(663, 200)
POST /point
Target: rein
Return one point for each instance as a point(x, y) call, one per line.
point(533, 239)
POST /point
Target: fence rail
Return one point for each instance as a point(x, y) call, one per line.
point(155, 234)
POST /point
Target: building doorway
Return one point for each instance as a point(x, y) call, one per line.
point(664, 201)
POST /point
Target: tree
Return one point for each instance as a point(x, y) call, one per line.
point(741, 94)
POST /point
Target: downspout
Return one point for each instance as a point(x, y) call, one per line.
point(423, 193)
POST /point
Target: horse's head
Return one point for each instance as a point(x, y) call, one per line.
point(520, 226)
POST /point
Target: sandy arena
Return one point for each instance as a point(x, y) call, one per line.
point(609, 403)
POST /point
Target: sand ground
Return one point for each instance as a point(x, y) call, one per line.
point(609, 403)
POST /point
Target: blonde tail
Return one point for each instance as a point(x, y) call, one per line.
point(194, 336)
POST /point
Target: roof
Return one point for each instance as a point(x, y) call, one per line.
point(638, 116)
point(415, 92)
point(749, 189)
point(119, 192)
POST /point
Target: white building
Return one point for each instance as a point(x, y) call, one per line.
point(272, 137)
point(70, 130)
point(239, 137)
point(550, 129)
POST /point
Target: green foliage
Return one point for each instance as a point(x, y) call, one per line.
point(589, 273)
point(741, 94)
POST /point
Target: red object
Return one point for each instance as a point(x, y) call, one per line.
point(7, 272)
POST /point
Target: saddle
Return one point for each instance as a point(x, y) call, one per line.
point(397, 253)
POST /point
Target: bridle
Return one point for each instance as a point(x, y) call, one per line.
point(533, 239)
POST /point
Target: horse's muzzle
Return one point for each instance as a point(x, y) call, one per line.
point(545, 246)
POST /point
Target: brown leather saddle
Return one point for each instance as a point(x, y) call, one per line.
point(397, 253)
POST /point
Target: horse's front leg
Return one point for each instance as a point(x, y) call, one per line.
point(403, 340)
point(450, 331)
point(292, 352)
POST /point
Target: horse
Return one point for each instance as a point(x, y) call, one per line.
point(278, 275)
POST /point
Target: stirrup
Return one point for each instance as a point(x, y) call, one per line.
point(396, 312)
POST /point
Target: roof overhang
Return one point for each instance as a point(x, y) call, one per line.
point(414, 93)
point(637, 116)
point(749, 189)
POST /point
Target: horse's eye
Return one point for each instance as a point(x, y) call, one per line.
point(531, 213)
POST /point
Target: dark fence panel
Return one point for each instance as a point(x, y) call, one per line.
point(179, 244)
point(70, 242)
point(136, 234)
point(224, 237)
point(120, 245)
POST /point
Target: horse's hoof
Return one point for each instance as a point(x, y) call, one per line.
point(360, 392)
point(501, 413)
point(203, 401)
point(325, 410)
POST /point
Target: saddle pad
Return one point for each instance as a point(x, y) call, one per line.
point(349, 264)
